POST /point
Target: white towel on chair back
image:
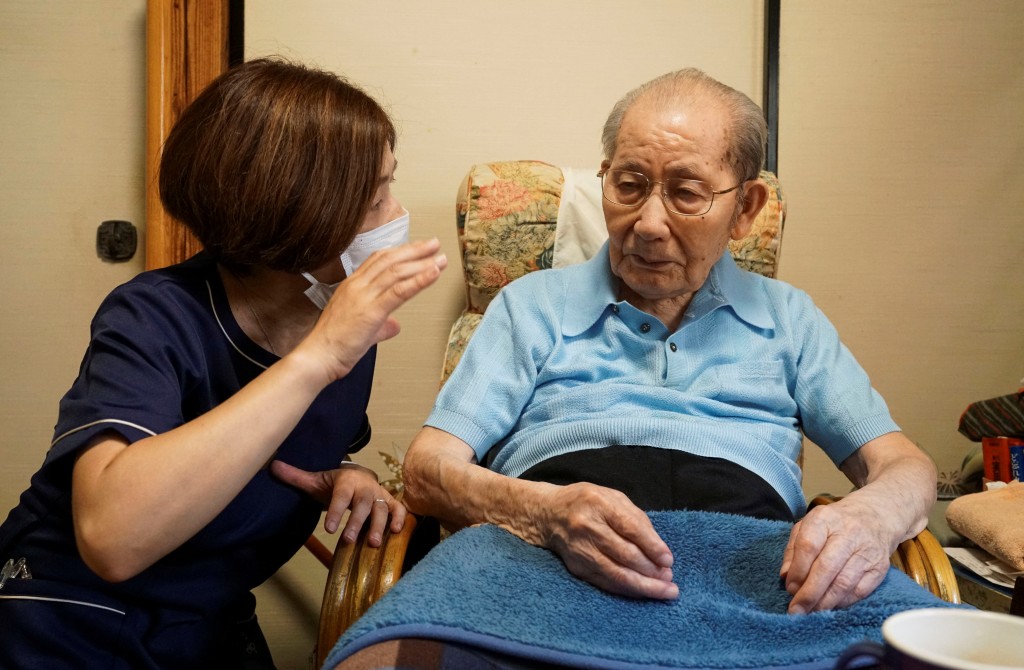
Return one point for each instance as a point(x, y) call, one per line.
point(580, 230)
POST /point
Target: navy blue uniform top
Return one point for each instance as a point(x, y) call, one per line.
point(165, 348)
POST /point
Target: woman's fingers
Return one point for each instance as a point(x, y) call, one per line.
point(393, 281)
point(360, 509)
point(351, 489)
point(384, 259)
point(398, 513)
point(380, 509)
point(375, 511)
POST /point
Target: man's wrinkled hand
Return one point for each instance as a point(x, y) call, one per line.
point(604, 539)
point(836, 555)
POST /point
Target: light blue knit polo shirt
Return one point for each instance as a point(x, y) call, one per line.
point(558, 364)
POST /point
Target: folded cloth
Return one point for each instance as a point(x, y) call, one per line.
point(580, 230)
point(993, 520)
point(996, 417)
point(485, 587)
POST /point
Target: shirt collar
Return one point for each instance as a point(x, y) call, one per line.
point(726, 285)
point(592, 289)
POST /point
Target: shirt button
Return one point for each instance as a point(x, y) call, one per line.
point(615, 309)
point(672, 346)
point(645, 327)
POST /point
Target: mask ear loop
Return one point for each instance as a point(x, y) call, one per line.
point(318, 292)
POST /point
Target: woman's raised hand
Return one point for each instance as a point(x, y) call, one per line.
point(359, 314)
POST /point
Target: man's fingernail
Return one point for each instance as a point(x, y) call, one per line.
point(331, 526)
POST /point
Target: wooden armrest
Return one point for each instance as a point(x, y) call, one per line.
point(921, 558)
point(359, 576)
point(941, 578)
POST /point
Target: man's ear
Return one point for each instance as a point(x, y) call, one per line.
point(755, 197)
point(605, 164)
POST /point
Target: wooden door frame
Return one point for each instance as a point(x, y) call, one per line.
point(188, 43)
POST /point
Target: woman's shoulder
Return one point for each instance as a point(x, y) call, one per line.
point(194, 278)
point(176, 299)
point(196, 270)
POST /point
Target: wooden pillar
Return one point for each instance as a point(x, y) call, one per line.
point(186, 48)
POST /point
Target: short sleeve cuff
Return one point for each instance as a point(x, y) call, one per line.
point(863, 432)
point(463, 428)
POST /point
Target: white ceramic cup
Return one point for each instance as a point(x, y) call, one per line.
point(944, 639)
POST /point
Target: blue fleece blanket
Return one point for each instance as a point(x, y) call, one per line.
point(486, 588)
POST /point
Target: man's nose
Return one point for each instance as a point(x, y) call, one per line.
point(653, 219)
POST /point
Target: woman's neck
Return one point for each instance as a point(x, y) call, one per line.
point(269, 307)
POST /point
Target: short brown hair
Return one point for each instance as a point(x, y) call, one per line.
point(275, 164)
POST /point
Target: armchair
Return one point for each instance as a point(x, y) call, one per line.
point(506, 214)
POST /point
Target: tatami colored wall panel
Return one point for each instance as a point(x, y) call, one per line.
point(900, 152)
point(71, 156)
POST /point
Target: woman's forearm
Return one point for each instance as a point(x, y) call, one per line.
point(134, 504)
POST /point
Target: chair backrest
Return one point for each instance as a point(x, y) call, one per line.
point(507, 215)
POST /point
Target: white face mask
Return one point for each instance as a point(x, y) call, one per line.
point(391, 234)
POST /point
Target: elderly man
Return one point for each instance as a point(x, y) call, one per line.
point(658, 375)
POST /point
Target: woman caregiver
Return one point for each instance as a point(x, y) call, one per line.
point(201, 441)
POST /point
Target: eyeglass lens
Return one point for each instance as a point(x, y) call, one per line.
point(683, 196)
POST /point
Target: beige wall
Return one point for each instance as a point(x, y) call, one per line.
point(71, 156)
point(899, 154)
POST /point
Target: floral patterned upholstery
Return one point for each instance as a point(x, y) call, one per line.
point(506, 212)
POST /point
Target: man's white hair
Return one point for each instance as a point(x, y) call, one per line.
point(748, 131)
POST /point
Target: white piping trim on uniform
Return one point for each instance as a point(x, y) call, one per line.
point(94, 423)
point(213, 307)
point(64, 600)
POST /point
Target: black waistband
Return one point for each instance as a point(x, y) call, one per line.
point(667, 479)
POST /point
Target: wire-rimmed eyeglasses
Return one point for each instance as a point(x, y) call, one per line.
point(687, 197)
